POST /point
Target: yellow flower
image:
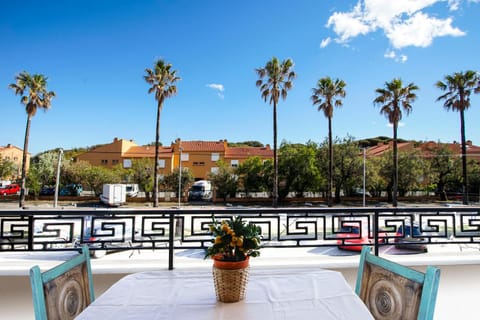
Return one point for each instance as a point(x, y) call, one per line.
point(239, 242)
point(225, 227)
point(218, 240)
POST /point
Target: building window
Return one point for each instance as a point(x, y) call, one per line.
point(114, 161)
point(104, 161)
point(214, 170)
point(234, 163)
point(185, 157)
point(198, 163)
point(215, 157)
point(127, 163)
point(161, 163)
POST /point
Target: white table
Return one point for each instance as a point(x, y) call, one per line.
point(272, 294)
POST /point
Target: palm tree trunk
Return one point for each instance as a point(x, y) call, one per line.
point(330, 163)
point(155, 165)
point(24, 163)
point(464, 158)
point(275, 159)
point(395, 165)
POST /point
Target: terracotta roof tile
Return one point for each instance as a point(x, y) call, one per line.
point(245, 152)
point(147, 152)
point(203, 146)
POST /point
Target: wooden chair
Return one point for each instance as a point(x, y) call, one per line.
point(393, 291)
point(63, 291)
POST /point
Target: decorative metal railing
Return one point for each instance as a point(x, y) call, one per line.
point(173, 229)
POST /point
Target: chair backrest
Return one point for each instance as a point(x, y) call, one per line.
point(393, 291)
point(63, 291)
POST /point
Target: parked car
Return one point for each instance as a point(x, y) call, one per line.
point(71, 189)
point(351, 237)
point(47, 191)
point(409, 236)
point(10, 189)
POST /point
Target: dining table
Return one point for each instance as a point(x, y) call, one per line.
point(272, 294)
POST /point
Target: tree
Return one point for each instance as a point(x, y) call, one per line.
point(348, 170)
point(392, 99)
point(7, 168)
point(298, 169)
point(170, 181)
point(325, 96)
point(251, 175)
point(42, 171)
point(162, 80)
point(37, 96)
point(141, 172)
point(442, 166)
point(458, 89)
point(275, 80)
point(377, 181)
point(224, 181)
point(412, 170)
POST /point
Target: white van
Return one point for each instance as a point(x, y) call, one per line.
point(200, 191)
point(4, 183)
point(114, 195)
point(132, 190)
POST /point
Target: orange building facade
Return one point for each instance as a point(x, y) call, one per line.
point(200, 157)
point(15, 155)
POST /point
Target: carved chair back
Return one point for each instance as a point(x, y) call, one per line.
point(63, 291)
point(394, 291)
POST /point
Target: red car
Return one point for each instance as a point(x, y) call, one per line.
point(352, 238)
point(10, 189)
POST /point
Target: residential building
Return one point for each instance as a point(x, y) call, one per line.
point(15, 155)
point(473, 152)
point(201, 157)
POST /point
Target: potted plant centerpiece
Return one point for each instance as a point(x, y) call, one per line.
point(233, 243)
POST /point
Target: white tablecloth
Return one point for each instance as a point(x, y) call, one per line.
point(271, 295)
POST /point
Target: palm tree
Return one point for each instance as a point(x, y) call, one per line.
point(275, 80)
point(324, 95)
point(36, 96)
point(459, 87)
point(162, 81)
point(391, 99)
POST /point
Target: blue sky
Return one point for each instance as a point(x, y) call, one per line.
point(94, 54)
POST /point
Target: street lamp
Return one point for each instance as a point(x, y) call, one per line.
point(180, 178)
point(364, 174)
point(55, 199)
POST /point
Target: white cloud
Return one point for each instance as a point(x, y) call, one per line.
point(390, 54)
point(325, 42)
point(219, 88)
point(454, 4)
point(403, 22)
point(215, 86)
point(420, 30)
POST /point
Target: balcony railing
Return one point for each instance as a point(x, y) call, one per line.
point(173, 229)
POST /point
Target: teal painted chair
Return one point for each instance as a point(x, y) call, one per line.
point(63, 291)
point(393, 291)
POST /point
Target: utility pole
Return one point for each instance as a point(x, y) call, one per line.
point(180, 178)
point(57, 182)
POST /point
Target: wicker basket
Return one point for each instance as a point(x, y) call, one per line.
point(230, 284)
